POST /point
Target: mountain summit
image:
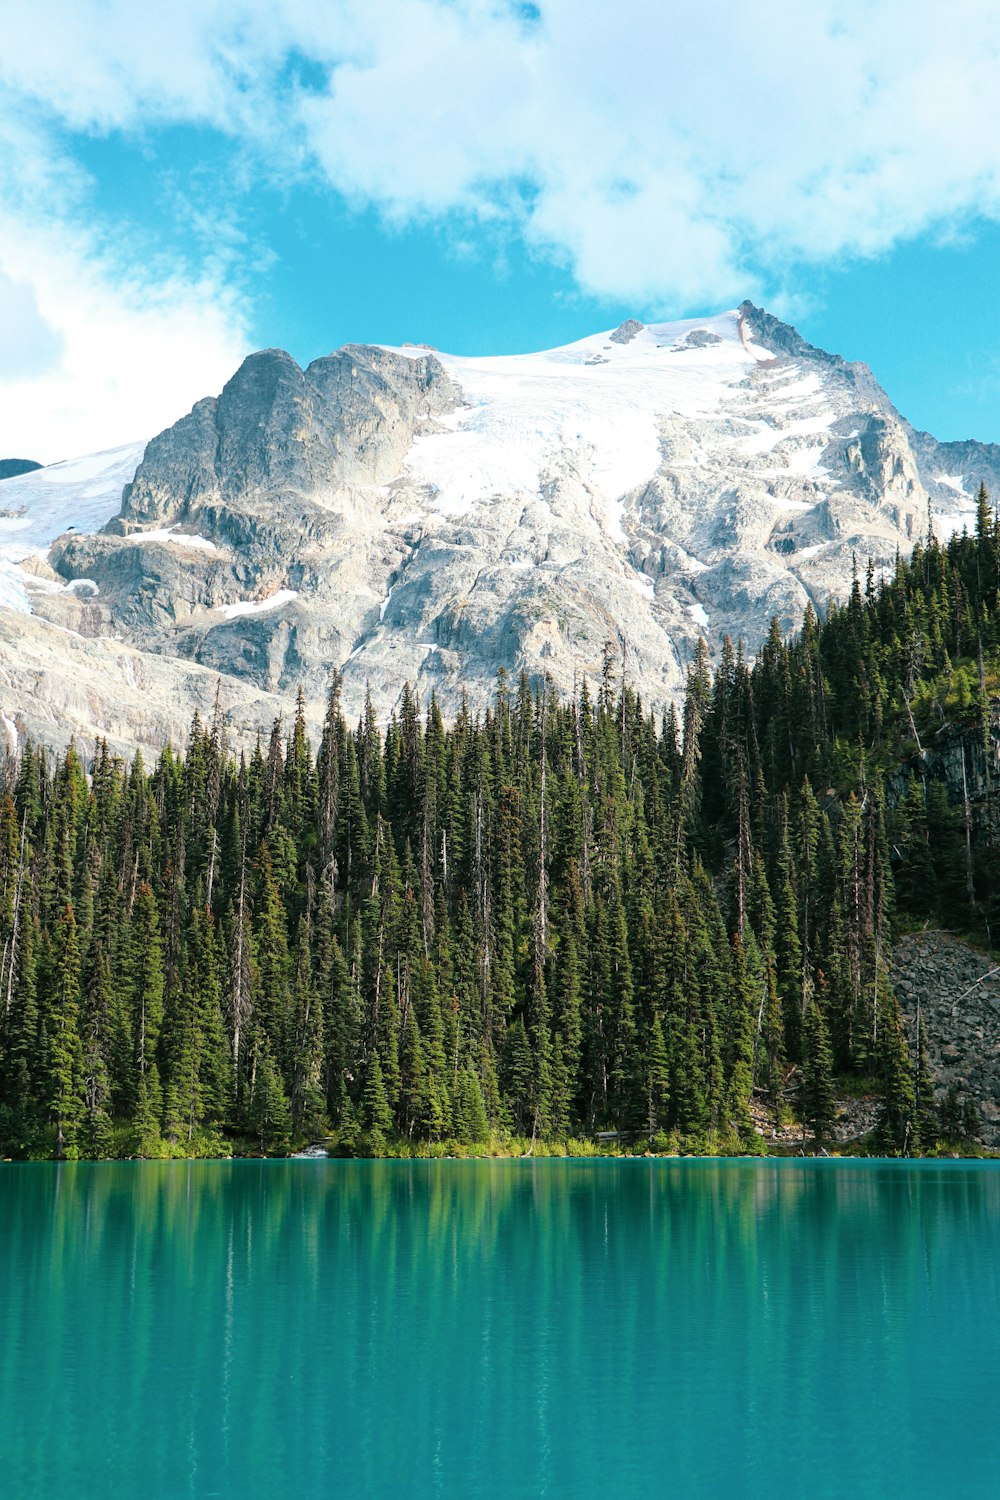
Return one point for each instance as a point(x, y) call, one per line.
point(411, 516)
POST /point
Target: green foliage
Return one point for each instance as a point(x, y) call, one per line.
point(816, 1099)
point(269, 1115)
point(147, 1141)
point(897, 1132)
point(471, 1124)
point(375, 1111)
point(555, 922)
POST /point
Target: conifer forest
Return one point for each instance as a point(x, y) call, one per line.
point(555, 923)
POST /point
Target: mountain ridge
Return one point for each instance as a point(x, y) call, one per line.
point(405, 515)
point(10, 468)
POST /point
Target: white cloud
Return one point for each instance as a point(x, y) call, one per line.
point(97, 349)
point(97, 346)
point(30, 345)
point(679, 156)
point(675, 153)
point(132, 355)
point(666, 150)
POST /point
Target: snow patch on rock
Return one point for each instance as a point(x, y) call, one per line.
point(11, 731)
point(258, 606)
point(171, 536)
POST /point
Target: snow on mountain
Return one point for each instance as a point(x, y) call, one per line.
point(598, 398)
point(79, 494)
point(256, 606)
point(408, 515)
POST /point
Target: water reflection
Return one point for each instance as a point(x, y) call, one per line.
point(501, 1329)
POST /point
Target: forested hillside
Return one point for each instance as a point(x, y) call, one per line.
point(559, 919)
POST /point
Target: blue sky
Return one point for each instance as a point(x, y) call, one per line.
point(181, 185)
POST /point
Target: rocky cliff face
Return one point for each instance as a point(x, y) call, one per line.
point(404, 515)
point(956, 989)
point(278, 433)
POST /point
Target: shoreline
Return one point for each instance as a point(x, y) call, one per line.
point(984, 1156)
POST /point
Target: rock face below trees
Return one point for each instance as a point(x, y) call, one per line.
point(957, 990)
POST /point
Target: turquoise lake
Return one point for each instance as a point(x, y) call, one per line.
point(461, 1329)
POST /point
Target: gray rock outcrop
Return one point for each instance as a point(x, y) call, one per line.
point(404, 515)
point(956, 989)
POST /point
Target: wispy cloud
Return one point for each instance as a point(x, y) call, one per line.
point(126, 355)
point(101, 341)
point(673, 155)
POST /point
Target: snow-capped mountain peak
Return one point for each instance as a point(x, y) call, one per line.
point(410, 515)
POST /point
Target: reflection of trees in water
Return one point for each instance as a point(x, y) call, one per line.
point(352, 1316)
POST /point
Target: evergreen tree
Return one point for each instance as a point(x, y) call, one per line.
point(817, 1096)
point(375, 1110)
point(146, 976)
point(657, 1080)
point(556, 916)
point(146, 1117)
point(270, 1116)
point(896, 1125)
point(472, 1127)
point(60, 1025)
point(926, 1122)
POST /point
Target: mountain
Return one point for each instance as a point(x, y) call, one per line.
point(411, 516)
point(11, 467)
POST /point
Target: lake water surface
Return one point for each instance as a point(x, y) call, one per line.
point(501, 1329)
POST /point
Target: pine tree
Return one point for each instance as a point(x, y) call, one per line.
point(375, 1110)
point(146, 1117)
point(270, 939)
point(472, 1126)
point(788, 952)
point(94, 1028)
point(307, 1043)
point(895, 1129)
point(413, 1093)
point(270, 1116)
point(61, 1028)
point(22, 1061)
point(146, 975)
point(551, 917)
point(342, 1015)
point(817, 1095)
point(738, 1102)
point(518, 1076)
point(657, 1080)
point(926, 1115)
point(436, 1115)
